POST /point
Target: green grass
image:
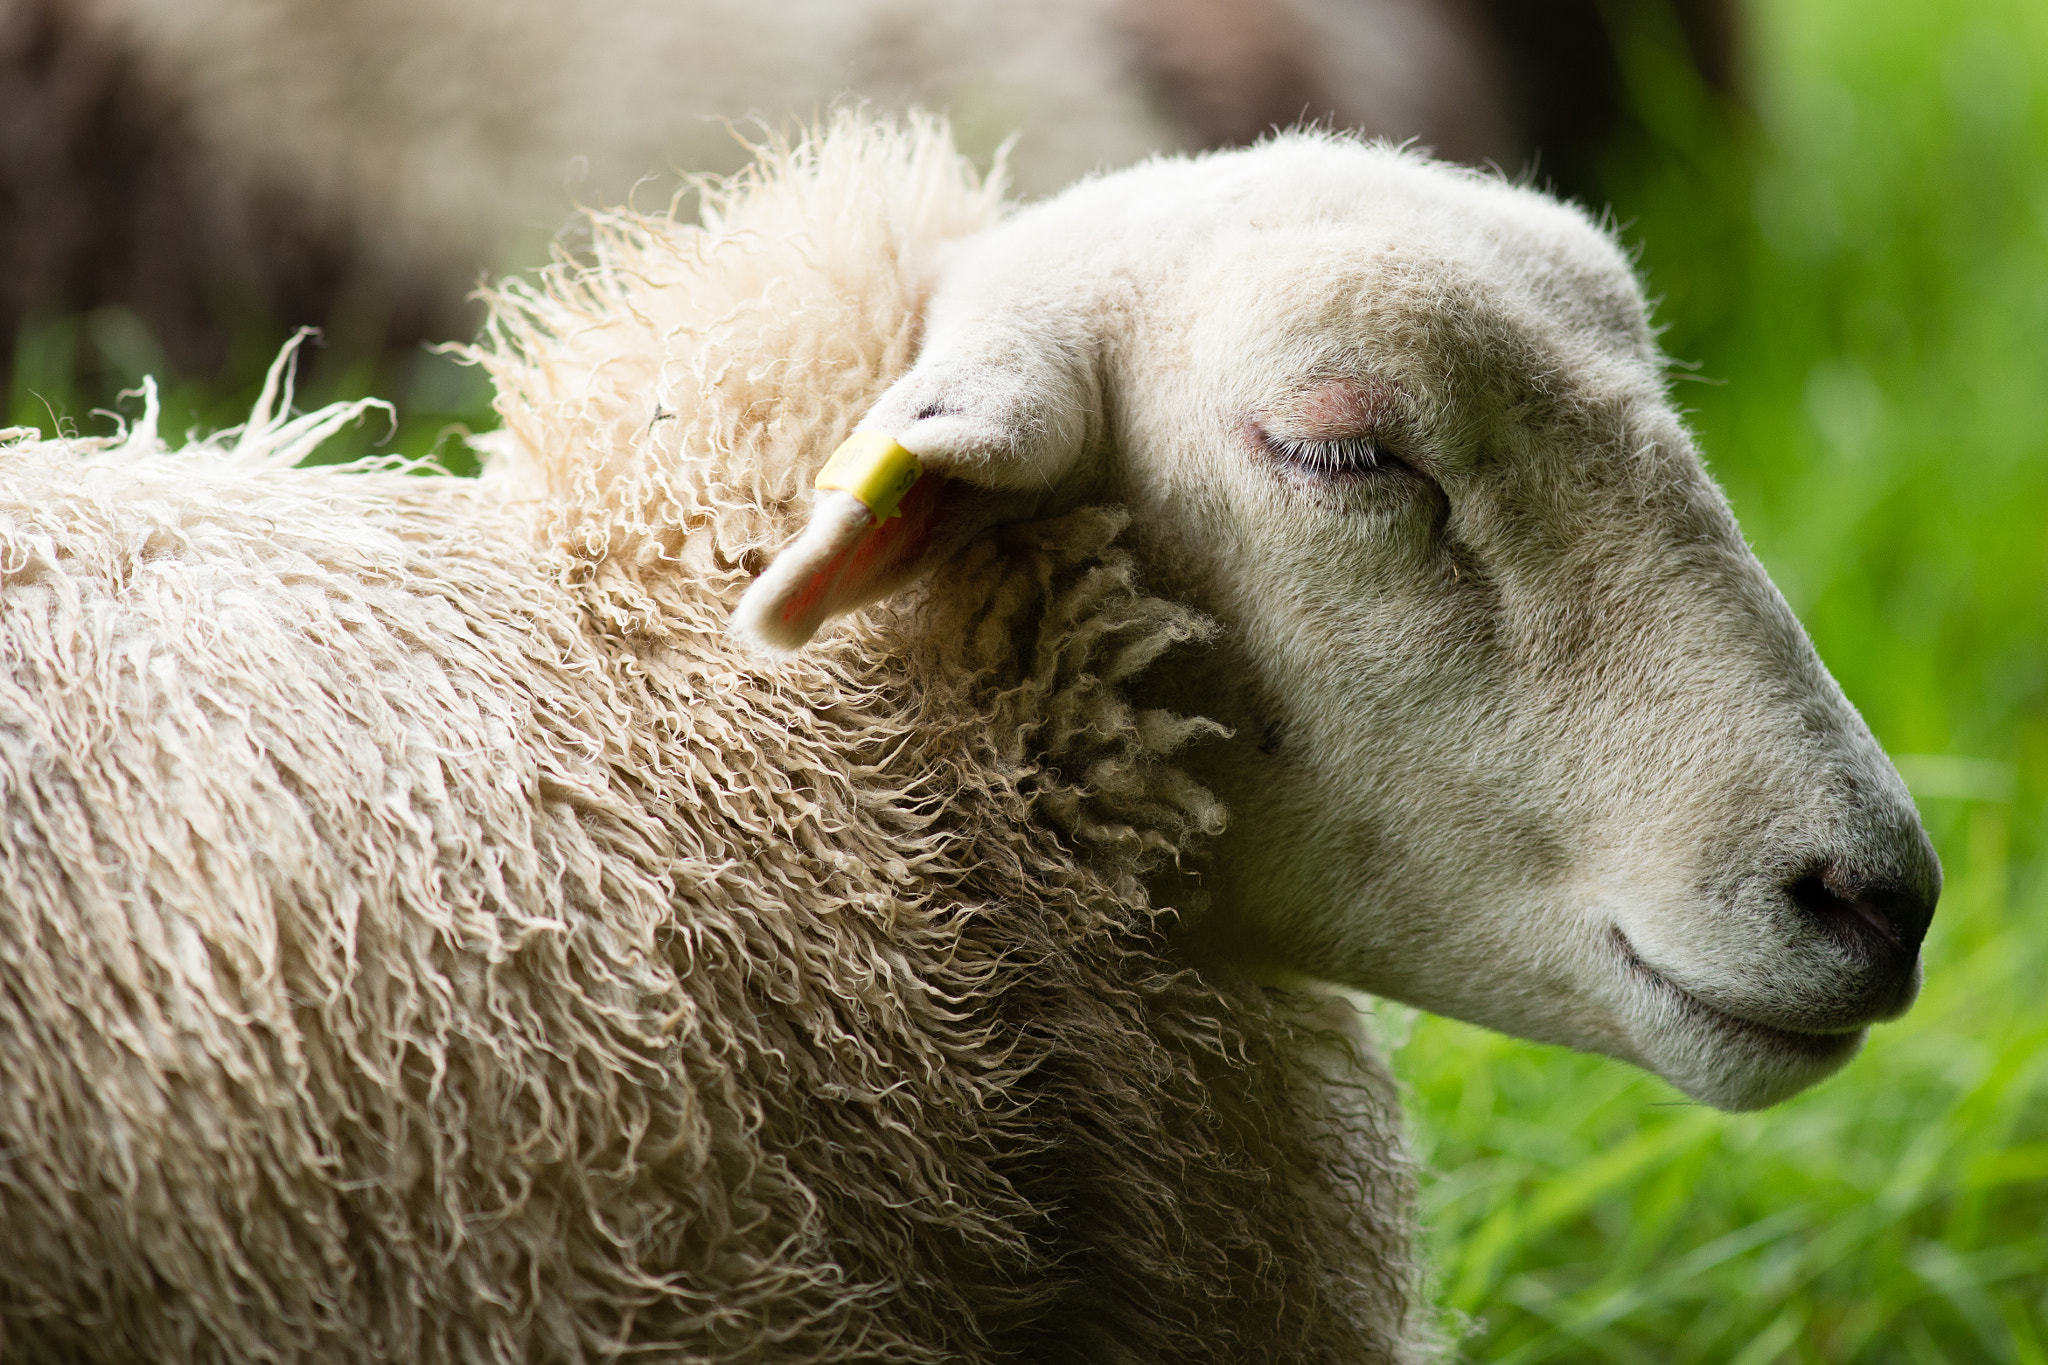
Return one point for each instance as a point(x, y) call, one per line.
point(1859, 268)
point(80, 374)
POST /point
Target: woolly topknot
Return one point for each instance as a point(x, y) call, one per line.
point(671, 394)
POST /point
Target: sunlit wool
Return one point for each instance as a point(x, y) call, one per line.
point(425, 936)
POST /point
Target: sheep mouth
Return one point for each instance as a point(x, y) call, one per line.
point(1812, 1046)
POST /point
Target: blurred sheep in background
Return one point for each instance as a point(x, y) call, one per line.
point(189, 178)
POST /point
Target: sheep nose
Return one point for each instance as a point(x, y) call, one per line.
point(1883, 917)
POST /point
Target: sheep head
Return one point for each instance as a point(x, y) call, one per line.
point(1522, 732)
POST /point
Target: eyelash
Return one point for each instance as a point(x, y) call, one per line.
point(1353, 455)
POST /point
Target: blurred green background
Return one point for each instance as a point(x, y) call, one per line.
point(1853, 264)
point(1857, 265)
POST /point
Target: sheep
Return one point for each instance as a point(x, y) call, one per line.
point(475, 919)
point(211, 164)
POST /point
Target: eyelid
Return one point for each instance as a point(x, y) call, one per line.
point(1354, 455)
point(1345, 453)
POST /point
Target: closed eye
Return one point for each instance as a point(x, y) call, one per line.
point(1352, 455)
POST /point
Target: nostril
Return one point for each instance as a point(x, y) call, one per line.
point(1859, 917)
point(1876, 913)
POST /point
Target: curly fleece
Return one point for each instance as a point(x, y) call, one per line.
point(424, 936)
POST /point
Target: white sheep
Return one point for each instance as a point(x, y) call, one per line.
point(425, 933)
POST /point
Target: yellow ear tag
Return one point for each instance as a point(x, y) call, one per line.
point(873, 468)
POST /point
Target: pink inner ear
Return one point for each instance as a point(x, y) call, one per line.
point(872, 563)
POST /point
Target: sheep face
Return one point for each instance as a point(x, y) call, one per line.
point(1522, 731)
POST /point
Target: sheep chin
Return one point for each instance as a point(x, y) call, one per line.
point(1716, 1057)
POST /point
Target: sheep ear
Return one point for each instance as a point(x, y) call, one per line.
point(869, 533)
point(992, 437)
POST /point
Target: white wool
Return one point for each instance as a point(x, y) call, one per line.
point(423, 935)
